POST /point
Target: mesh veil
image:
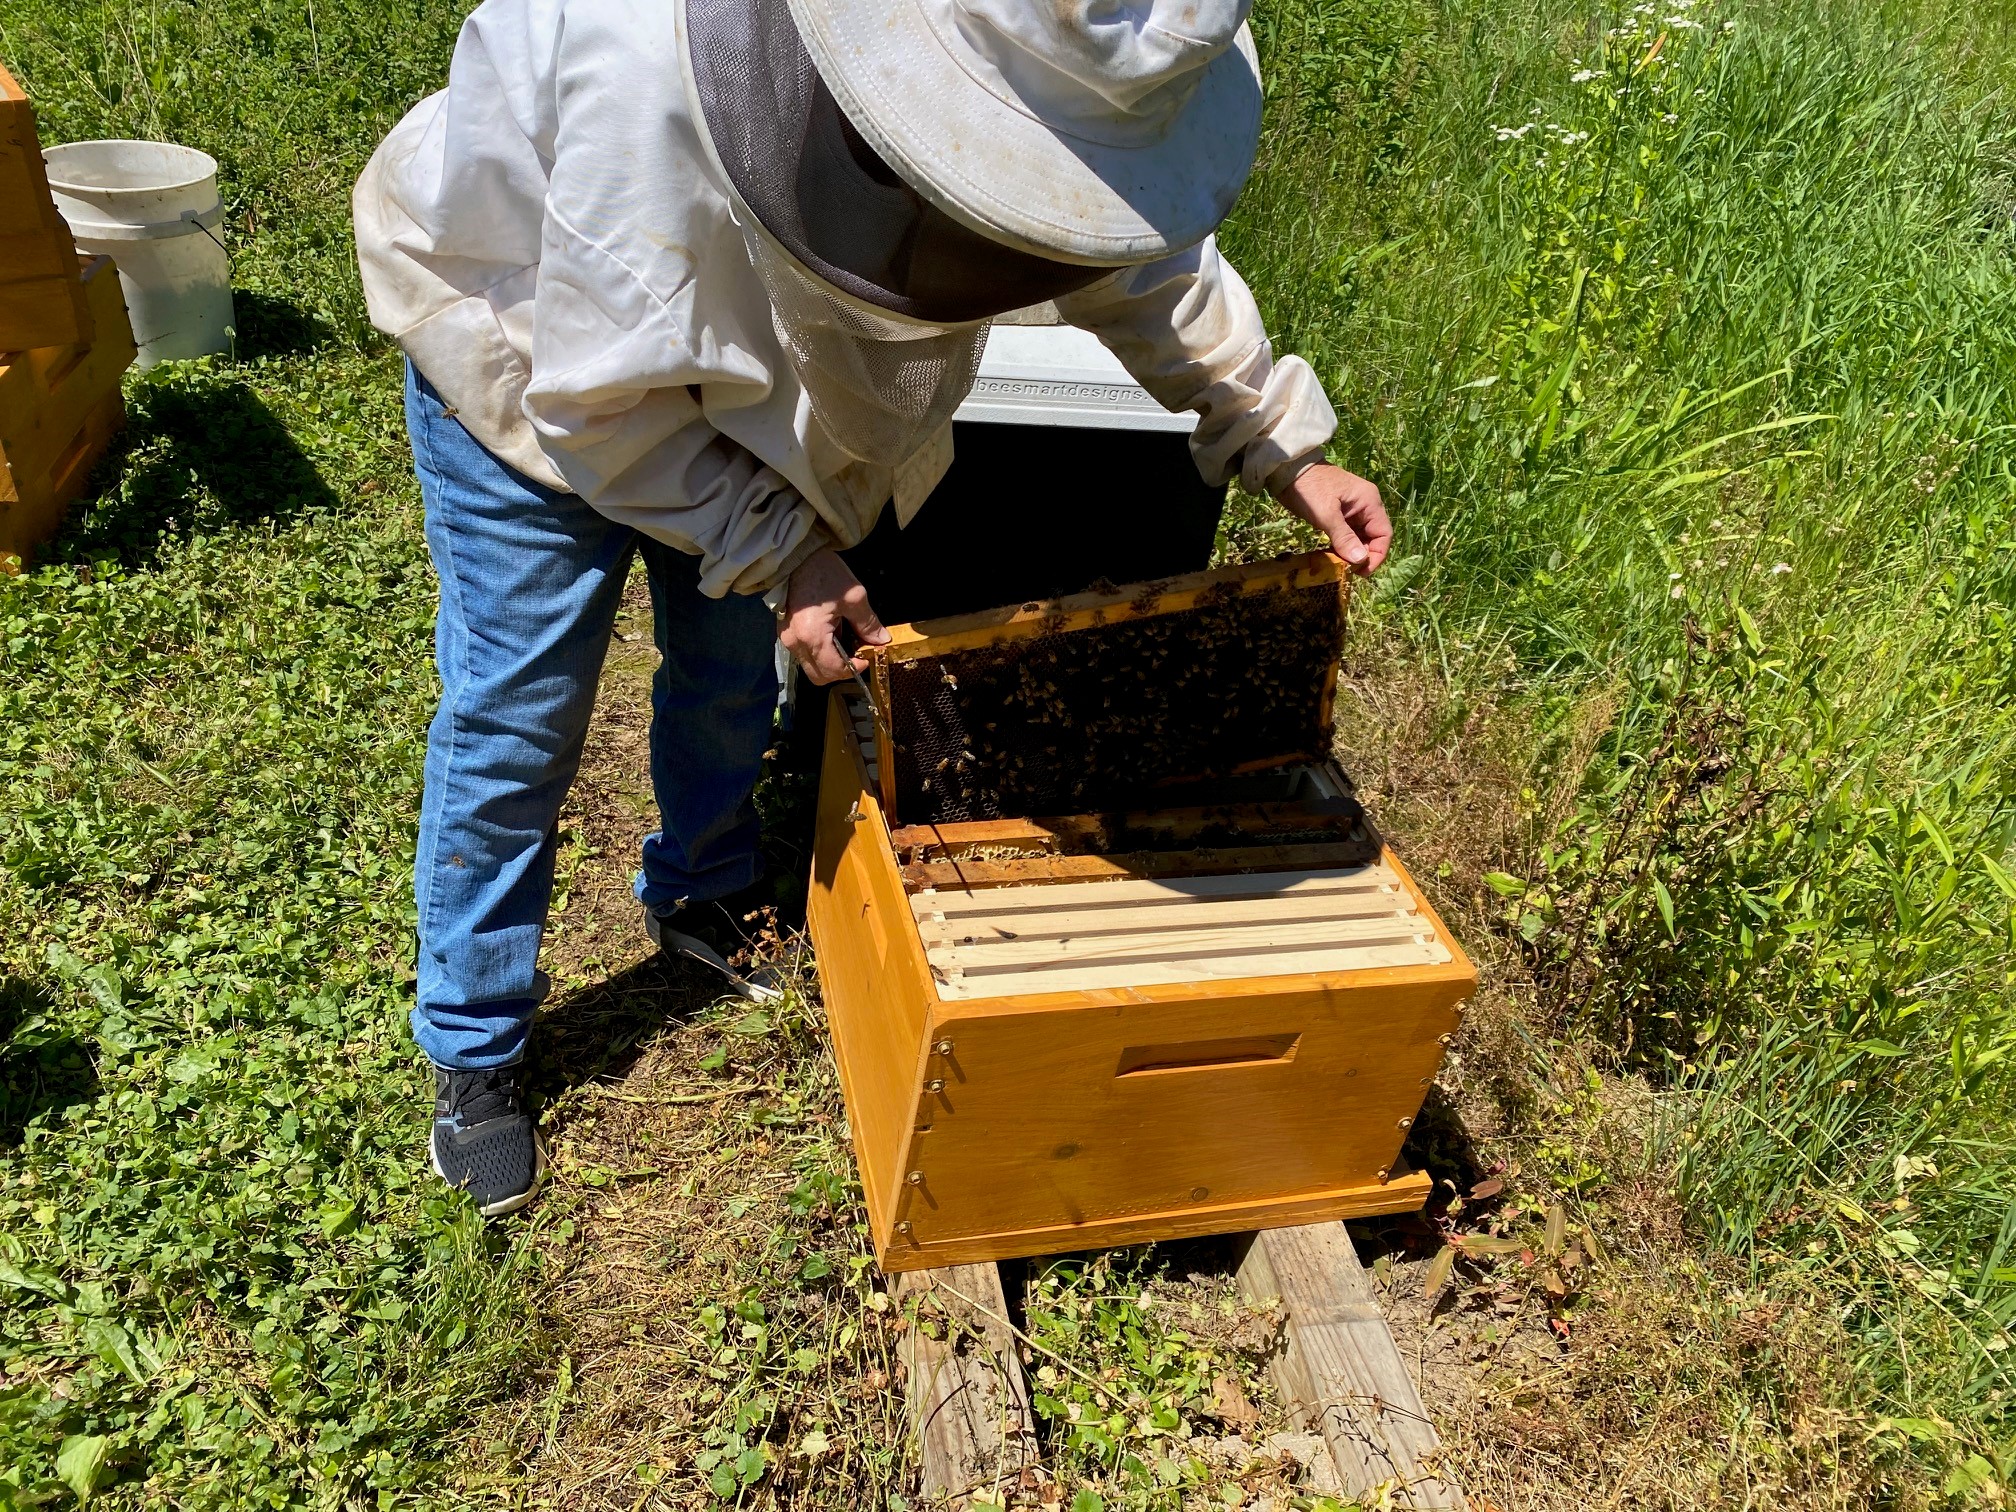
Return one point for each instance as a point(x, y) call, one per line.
point(878, 298)
point(818, 188)
point(879, 386)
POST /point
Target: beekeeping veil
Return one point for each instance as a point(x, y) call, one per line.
point(882, 260)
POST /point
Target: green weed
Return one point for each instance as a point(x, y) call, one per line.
point(1131, 1368)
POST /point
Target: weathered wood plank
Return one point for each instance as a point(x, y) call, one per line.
point(1340, 1371)
point(968, 1402)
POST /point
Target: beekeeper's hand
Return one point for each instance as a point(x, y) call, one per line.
point(824, 594)
point(1346, 508)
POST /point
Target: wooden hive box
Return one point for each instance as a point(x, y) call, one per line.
point(42, 300)
point(59, 406)
point(1063, 1033)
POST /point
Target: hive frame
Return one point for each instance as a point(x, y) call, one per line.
point(1080, 611)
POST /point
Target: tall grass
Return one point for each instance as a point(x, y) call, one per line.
point(1683, 337)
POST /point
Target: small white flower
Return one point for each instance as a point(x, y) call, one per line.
point(1778, 569)
point(1583, 76)
point(1672, 577)
point(1679, 592)
point(1669, 119)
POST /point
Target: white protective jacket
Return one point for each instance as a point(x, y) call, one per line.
point(548, 242)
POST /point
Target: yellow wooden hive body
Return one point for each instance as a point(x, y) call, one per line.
point(59, 408)
point(65, 342)
point(1091, 1056)
point(42, 302)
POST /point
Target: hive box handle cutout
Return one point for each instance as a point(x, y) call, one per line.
point(1208, 1055)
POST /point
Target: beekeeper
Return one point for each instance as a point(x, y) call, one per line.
point(706, 279)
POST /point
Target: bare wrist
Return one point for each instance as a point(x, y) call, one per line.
point(1283, 477)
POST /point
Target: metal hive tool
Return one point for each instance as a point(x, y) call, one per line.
point(1095, 700)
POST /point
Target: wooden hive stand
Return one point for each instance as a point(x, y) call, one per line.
point(65, 342)
point(1335, 1367)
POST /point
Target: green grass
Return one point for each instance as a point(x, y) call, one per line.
point(220, 1265)
point(1761, 314)
point(1691, 376)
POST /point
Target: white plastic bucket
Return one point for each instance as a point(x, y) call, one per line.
point(153, 208)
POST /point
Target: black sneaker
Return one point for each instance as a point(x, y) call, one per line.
point(484, 1141)
point(726, 935)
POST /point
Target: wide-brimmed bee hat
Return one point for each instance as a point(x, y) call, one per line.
point(1085, 133)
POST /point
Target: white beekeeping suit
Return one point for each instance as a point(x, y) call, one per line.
point(652, 255)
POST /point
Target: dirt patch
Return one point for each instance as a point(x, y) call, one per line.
point(1655, 1385)
point(1448, 775)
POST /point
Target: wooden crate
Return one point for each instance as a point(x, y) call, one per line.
point(59, 406)
point(1056, 1051)
point(42, 300)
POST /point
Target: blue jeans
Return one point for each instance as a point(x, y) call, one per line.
point(530, 584)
